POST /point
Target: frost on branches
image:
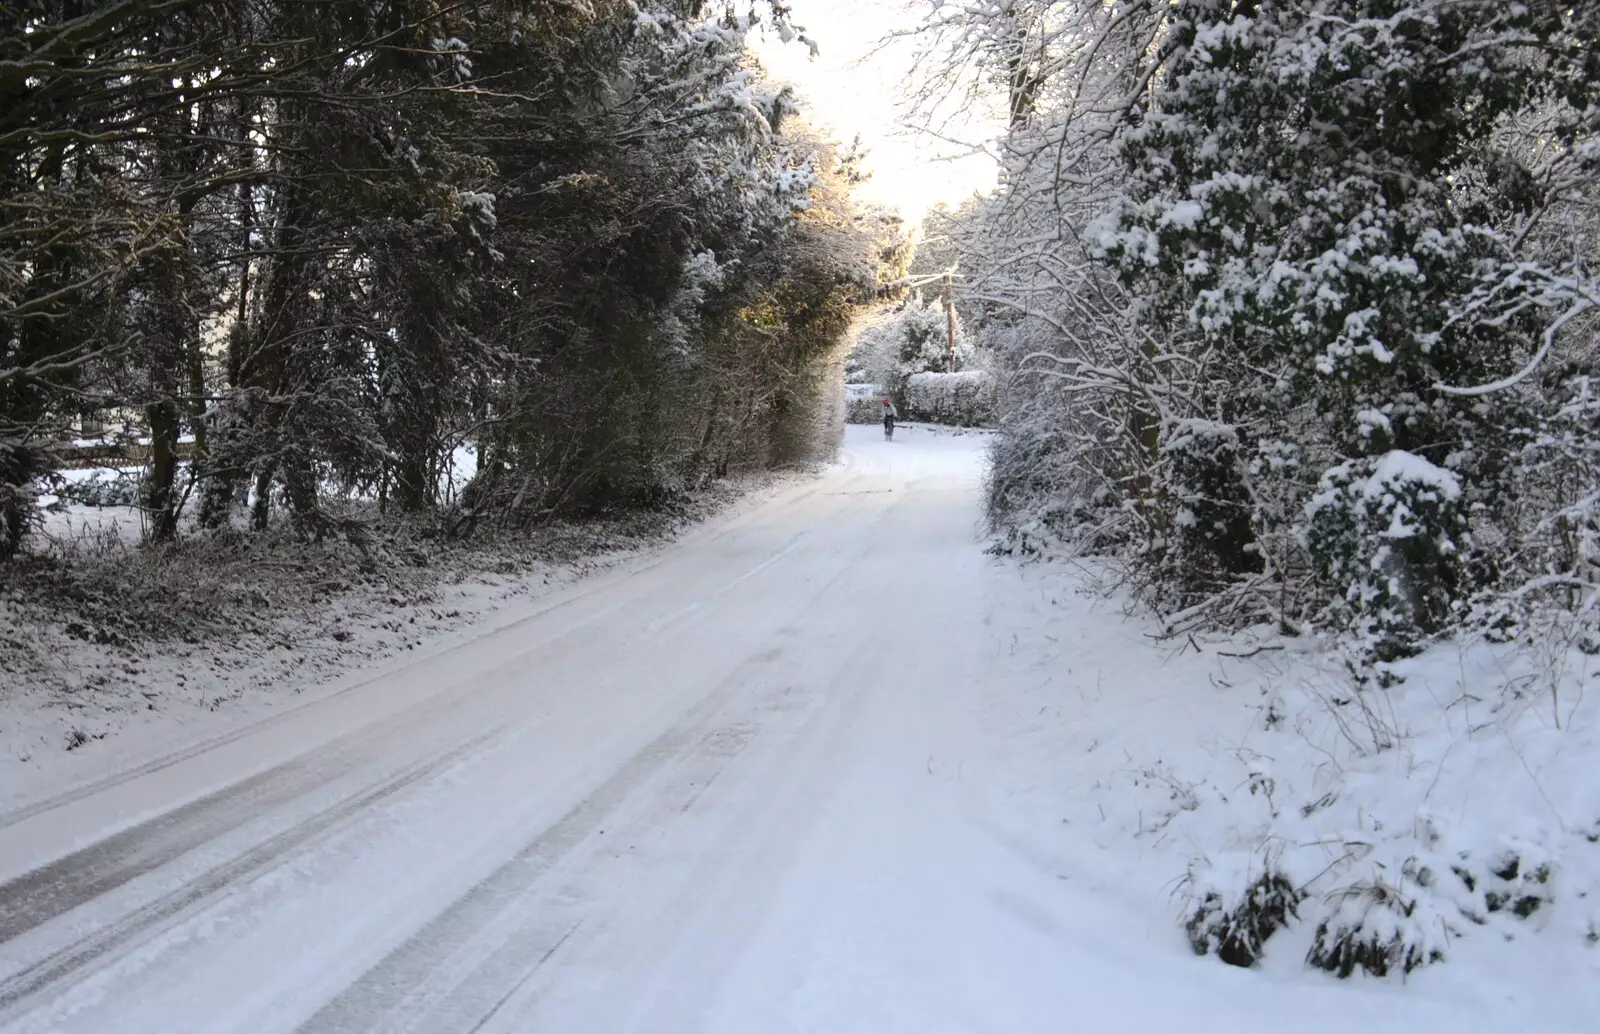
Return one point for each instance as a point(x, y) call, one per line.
point(1296, 311)
point(554, 230)
point(1246, 256)
point(911, 339)
point(1322, 201)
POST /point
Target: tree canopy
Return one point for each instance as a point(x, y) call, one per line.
point(310, 245)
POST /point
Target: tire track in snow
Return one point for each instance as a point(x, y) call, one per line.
point(421, 970)
point(580, 593)
point(59, 886)
point(194, 895)
point(37, 897)
point(113, 964)
point(450, 653)
point(667, 930)
point(667, 924)
point(473, 961)
point(51, 891)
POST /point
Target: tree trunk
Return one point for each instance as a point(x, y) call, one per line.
point(300, 488)
point(411, 479)
point(220, 478)
point(196, 362)
point(950, 322)
point(1024, 78)
point(160, 498)
point(261, 509)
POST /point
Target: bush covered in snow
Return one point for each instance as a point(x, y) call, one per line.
point(964, 399)
point(1300, 335)
point(864, 410)
point(1390, 823)
point(1235, 921)
point(100, 487)
point(1388, 535)
point(1211, 540)
point(1236, 356)
point(909, 339)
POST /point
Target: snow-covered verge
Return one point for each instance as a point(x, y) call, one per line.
point(1443, 831)
point(111, 651)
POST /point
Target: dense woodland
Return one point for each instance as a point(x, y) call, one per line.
point(1295, 302)
point(308, 248)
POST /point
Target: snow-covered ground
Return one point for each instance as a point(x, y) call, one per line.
point(111, 651)
point(822, 766)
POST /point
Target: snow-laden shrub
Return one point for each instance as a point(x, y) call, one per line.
point(863, 403)
point(1472, 816)
point(1387, 536)
point(863, 410)
point(1379, 928)
point(1061, 468)
point(1443, 891)
point(101, 488)
point(1391, 924)
point(1546, 536)
point(1211, 539)
point(912, 339)
point(1234, 910)
point(1394, 898)
point(1396, 895)
point(1270, 276)
point(964, 399)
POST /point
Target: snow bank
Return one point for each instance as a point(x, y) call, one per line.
point(1299, 823)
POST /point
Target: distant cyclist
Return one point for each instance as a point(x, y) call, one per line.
point(890, 415)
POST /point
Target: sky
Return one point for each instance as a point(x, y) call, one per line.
point(845, 90)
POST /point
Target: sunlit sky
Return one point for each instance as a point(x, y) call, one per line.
point(846, 90)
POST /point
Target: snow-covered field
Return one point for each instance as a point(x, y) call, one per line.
point(821, 766)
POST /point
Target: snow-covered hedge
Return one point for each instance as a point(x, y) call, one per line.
point(912, 339)
point(864, 409)
point(100, 486)
point(965, 399)
point(1448, 815)
point(1211, 532)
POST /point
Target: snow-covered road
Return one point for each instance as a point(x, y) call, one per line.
point(753, 785)
point(641, 808)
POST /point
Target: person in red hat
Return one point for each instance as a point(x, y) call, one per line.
point(890, 415)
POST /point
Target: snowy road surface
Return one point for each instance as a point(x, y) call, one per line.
point(744, 787)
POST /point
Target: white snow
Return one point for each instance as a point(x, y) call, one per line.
point(1398, 467)
point(61, 520)
point(824, 766)
point(1185, 215)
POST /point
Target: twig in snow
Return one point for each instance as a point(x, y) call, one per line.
point(1252, 653)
